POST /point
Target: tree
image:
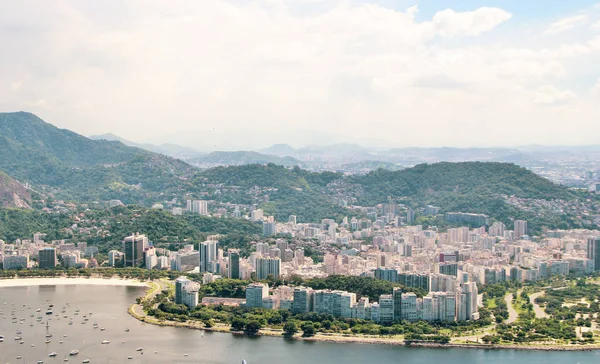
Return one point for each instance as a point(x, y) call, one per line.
point(289, 329)
point(237, 324)
point(308, 330)
point(252, 328)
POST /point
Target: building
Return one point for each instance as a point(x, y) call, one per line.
point(520, 228)
point(386, 309)
point(233, 264)
point(303, 300)
point(15, 262)
point(463, 217)
point(269, 228)
point(208, 255)
point(186, 292)
point(410, 216)
point(256, 215)
point(47, 258)
point(267, 266)
point(593, 251)
point(116, 258)
point(186, 261)
point(200, 207)
point(255, 293)
point(133, 248)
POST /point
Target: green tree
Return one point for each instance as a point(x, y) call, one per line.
point(290, 328)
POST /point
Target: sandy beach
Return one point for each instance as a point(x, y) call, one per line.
point(25, 282)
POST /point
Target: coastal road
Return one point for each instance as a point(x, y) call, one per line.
point(512, 313)
point(539, 312)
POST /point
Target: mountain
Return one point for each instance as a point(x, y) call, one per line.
point(13, 193)
point(280, 150)
point(172, 150)
point(242, 157)
point(73, 166)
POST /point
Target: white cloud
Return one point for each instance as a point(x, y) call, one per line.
point(596, 25)
point(596, 88)
point(288, 68)
point(566, 24)
point(449, 23)
point(549, 95)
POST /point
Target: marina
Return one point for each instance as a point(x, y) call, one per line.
point(124, 335)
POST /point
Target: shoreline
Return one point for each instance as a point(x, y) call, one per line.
point(65, 281)
point(340, 339)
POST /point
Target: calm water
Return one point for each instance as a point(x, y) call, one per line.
point(108, 307)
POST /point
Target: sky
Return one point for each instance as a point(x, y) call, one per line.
point(245, 74)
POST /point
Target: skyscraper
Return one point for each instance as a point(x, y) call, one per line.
point(269, 228)
point(593, 251)
point(520, 228)
point(47, 258)
point(200, 207)
point(208, 255)
point(133, 247)
point(410, 216)
point(233, 266)
point(266, 267)
point(255, 293)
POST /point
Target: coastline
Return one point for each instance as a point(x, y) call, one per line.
point(54, 281)
point(349, 339)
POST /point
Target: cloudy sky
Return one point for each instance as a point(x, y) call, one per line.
point(230, 74)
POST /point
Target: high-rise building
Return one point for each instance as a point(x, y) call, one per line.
point(292, 219)
point(255, 293)
point(12, 262)
point(200, 207)
point(186, 292)
point(410, 216)
point(267, 266)
point(208, 255)
point(47, 258)
point(116, 258)
point(233, 264)
point(497, 229)
point(386, 309)
point(593, 251)
point(133, 247)
point(520, 228)
point(303, 300)
point(269, 228)
point(256, 215)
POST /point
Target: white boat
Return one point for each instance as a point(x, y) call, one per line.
point(86, 361)
point(40, 362)
point(73, 352)
point(105, 342)
point(139, 349)
point(53, 354)
point(130, 357)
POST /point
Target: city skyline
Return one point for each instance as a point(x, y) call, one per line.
point(401, 73)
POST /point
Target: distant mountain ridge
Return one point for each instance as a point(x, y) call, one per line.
point(242, 157)
point(37, 152)
point(171, 150)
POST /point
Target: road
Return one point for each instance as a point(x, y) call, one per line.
point(539, 312)
point(512, 313)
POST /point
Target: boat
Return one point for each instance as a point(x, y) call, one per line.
point(60, 342)
point(48, 341)
point(48, 335)
point(1, 340)
point(126, 330)
point(40, 362)
point(102, 329)
point(73, 352)
point(185, 354)
point(19, 357)
point(21, 342)
point(48, 312)
point(139, 349)
point(18, 338)
point(38, 310)
point(130, 357)
point(1, 336)
point(105, 342)
point(243, 361)
point(86, 361)
point(52, 354)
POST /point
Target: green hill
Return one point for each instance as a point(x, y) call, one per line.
point(242, 158)
point(12, 193)
point(75, 167)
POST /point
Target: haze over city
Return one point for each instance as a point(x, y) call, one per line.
point(226, 75)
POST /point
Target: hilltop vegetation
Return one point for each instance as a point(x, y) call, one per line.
point(64, 165)
point(107, 228)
